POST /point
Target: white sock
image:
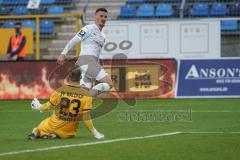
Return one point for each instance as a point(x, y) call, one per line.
point(102, 87)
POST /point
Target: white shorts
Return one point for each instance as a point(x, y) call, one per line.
point(91, 70)
point(100, 75)
point(86, 81)
point(90, 67)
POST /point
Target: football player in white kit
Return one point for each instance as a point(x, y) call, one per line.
point(92, 40)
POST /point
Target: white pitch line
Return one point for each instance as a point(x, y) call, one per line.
point(178, 110)
point(216, 111)
point(204, 132)
point(87, 144)
point(109, 141)
point(235, 132)
point(23, 111)
point(195, 132)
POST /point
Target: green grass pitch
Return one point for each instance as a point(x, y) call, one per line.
point(209, 130)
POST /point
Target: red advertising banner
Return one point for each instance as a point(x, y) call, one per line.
point(25, 80)
point(135, 79)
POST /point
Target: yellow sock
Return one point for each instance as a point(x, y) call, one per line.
point(89, 125)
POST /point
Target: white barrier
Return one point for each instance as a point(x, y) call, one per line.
point(163, 39)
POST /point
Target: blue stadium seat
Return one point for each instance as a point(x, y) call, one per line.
point(163, 1)
point(128, 11)
point(199, 1)
point(20, 11)
point(218, 9)
point(134, 1)
point(234, 9)
point(4, 11)
point(47, 2)
point(145, 10)
point(9, 24)
point(229, 25)
point(63, 2)
point(55, 10)
point(29, 24)
point(200, 10)
point(23, 2)
point(10, 2)
point(46, 27)
point(164, 10)
point(40, 10)
point(171, 1)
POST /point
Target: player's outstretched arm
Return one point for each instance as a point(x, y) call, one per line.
point(36, 105)
point(76, 39)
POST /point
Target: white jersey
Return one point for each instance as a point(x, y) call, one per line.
point(92, 41)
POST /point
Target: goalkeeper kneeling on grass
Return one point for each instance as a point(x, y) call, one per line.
point(72, 104)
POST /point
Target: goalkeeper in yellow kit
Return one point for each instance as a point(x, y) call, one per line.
point(72, 104)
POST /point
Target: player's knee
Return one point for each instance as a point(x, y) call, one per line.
point(86, 84)
point(103, 87)
point(110, 83)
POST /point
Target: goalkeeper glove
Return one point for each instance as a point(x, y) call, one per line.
point(35, 104)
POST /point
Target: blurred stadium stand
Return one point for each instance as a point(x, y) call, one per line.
point(128, 11)
point(227, 10)
point(219, 9)
point(164, 10)
point(46, 2)
point(29, 24)
point(229, 25)
point(199, 10)
point(4, 11)
point(190, 8)
point(56, 31)
point(20, 11)
point(145, 11)
point(8, 24)
point(55, 10)
point(47, 27)
point(52, 29)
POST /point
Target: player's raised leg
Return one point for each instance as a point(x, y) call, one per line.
point(107, 80)
point(103, 77)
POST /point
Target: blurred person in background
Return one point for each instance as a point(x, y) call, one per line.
point(17, 44)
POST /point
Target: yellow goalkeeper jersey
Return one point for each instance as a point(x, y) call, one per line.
point(69, 109)
point(69, 106)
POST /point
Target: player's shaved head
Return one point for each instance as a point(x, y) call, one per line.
point(101, 9)
point(74, 75)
